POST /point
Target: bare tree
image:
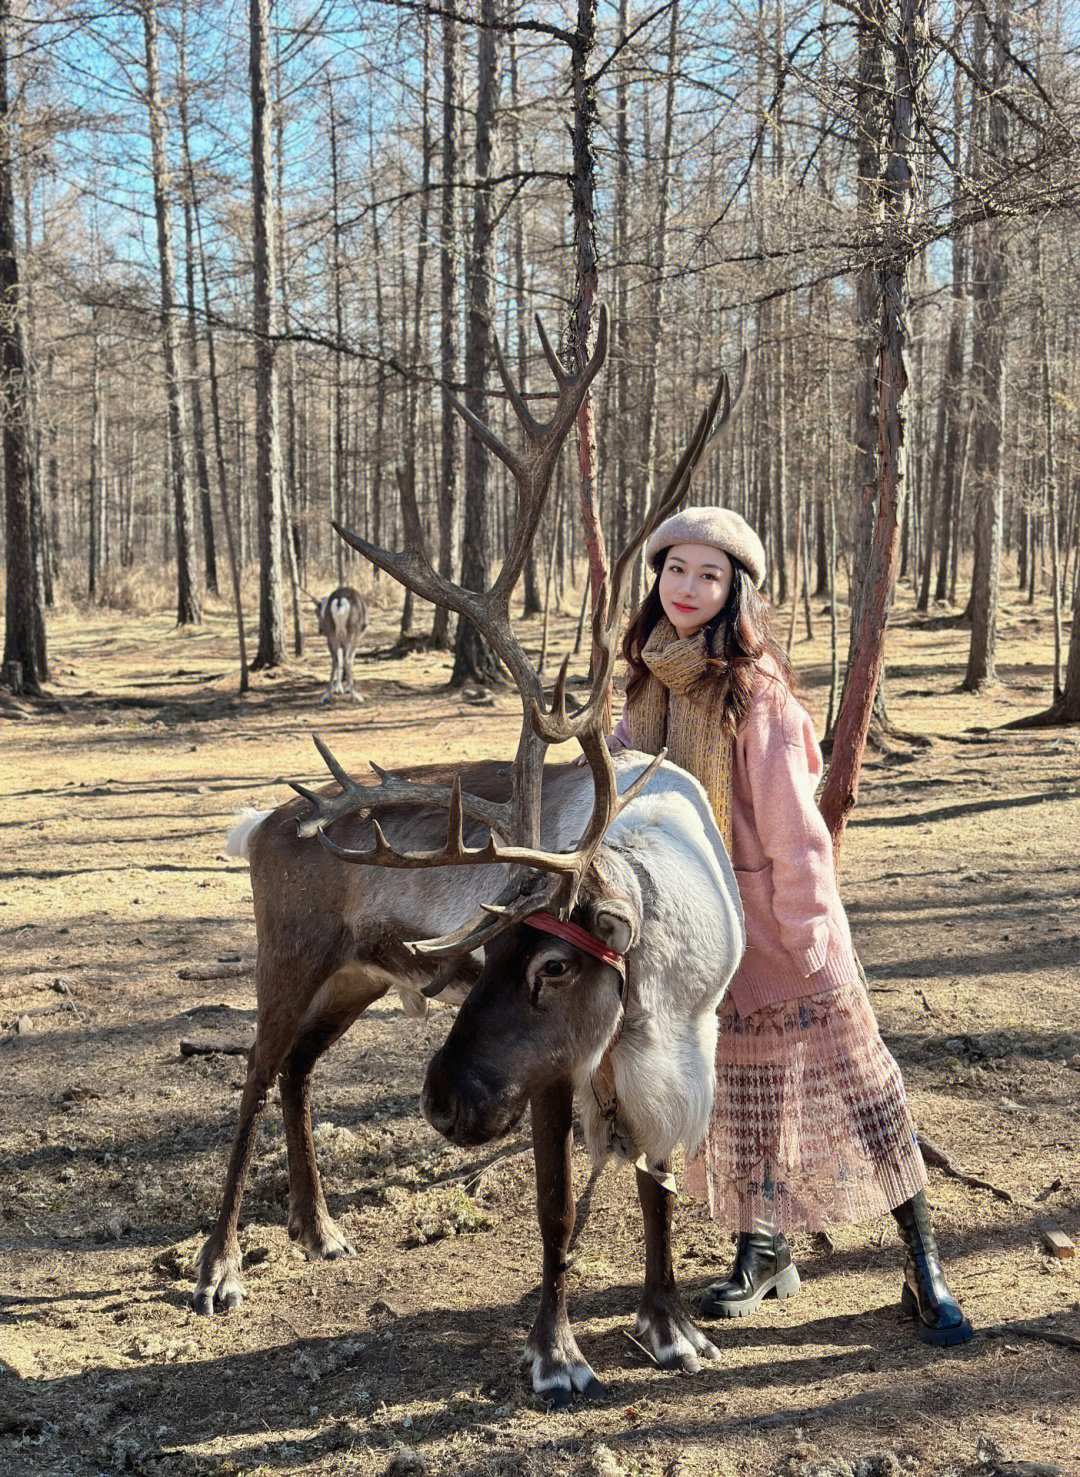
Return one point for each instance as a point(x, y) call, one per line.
point(24, 665)
point(988, 370)
point(448, 321)
point(271, 647)
point(472, 659)
point(187, 601)
point(856, 708)
point(583, 193)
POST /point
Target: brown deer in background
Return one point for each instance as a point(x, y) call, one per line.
point(341, 617)
point(620, 956)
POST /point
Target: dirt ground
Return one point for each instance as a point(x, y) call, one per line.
point(961, 871)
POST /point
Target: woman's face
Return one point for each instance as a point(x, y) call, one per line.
point(694, 585)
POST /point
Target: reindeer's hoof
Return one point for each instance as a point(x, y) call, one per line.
point(320, 1239)
point(219, 1288)
point(558, 1373)
point(596, 1392)
point(676, 1342)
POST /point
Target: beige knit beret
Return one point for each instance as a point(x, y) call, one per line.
point(722, 527)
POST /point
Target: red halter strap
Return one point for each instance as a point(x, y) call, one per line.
point(580, 937)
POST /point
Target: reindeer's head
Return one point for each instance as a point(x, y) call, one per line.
point(545, 1008)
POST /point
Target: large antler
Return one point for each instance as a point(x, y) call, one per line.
point(517, 821)
point(489, 610)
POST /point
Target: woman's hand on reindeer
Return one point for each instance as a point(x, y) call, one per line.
point(615, 745)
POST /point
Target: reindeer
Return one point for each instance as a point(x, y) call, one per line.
point(341, 617)
point(610, 971)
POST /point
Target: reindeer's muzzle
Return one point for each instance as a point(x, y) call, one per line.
point(466, 1109)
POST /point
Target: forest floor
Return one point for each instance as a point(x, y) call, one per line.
point(961, 869)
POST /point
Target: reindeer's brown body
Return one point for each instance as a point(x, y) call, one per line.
point(330, 943)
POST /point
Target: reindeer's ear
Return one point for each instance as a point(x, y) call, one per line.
point(616, 922)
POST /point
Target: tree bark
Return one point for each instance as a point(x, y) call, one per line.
point(271, 648)
point(473, 661)
point(219, 455)
point(448, 323)
point(988, 380)
point(583, 196)
point(187, 600)
point(530, 589)
point(198, 420)
point(870, 103)
point(853, 722)
point(337, 444)
point(25, 666)
point(655, 312)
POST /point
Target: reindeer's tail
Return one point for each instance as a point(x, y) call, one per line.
point(240, 835)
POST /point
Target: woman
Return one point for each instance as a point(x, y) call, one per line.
point(810, 1125)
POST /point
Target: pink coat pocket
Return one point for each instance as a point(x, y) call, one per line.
point(756, 892)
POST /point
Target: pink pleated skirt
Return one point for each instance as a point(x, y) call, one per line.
point(810, 1126)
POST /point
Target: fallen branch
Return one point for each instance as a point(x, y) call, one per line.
point(215, 971)
point(475, 1172)
point(938, 1159)
point(645, 1353)
point(1034, 1331)
point(212, 1045)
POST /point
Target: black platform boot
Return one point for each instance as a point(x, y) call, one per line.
point(763, 1268)
point(925, 1294)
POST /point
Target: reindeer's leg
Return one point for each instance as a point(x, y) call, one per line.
point(339, 1001)
point(662, 1320)
point(349, 654)
point(329, 693)
point(551, 1353)
point(218, 1266)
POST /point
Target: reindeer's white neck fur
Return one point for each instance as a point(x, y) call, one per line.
point(666, 844)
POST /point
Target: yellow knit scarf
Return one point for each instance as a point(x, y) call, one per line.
point(664, 712)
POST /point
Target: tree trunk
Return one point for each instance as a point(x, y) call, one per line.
point(95, 482)
point(988, 381)
point(187, 602)
point(271, 649)
point(532, 605)
point(198, 420)
point(1049, 464)
point(944, 470)
point(655, 311)
point(24, 667)
point(290, 526)
point(856, 709)
point(583, 207)
point(219, 454)
point(413, 350)
point(619, 360)
point(337, 443)
point(472, 659)
point(871, 126)
point(448, 323)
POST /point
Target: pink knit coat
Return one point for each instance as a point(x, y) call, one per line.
point(797, 937)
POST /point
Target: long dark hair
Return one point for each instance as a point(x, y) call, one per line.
point(736, 639)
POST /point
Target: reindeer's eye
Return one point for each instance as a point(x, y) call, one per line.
point(553, 972)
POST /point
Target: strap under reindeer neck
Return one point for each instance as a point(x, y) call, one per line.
point(671, 710)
